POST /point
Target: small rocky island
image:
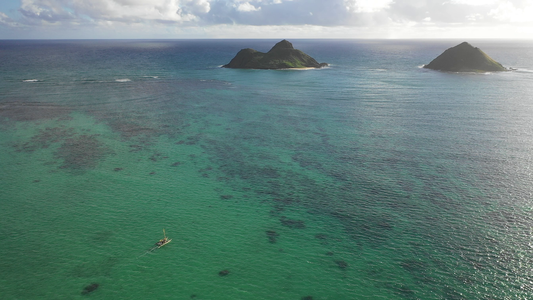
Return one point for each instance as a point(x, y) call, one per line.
point(465, 58)
point(281, 56)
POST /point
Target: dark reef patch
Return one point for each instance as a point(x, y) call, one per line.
point(405, 292)
point(277, 210)
point(223, 273)
point(272, 236)
point(156, 156)
point(321, 236)
point(90, 288)
point(102, 236)
point(417, 268)
point(367, 225)
point(82, 152)
point(32, 111)
point(130, 128)
point(136, 148)
point(78, 152)
point(45, 138)
point(307, 162)
point(307, 298)
point(341, 264)
point(291, 223)
point(193, 140)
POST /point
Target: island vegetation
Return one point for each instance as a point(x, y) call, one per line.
point(465, 58)
point(281, 56)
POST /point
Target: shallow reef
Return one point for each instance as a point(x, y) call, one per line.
point(81, 152)
point(90, 288)
point(45, 138)
point(341, 264)
point(272, 236)
point(291, 223)
point(31, 111)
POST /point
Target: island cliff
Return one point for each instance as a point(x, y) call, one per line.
point(281, 56)
point(465, 58)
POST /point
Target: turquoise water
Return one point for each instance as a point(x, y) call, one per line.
point(370, 179)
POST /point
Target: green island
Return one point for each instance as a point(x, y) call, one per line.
point(281, 56)
point(465, 58)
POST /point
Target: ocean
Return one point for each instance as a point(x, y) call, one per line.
point(372, 178)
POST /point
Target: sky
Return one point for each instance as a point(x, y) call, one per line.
point(177, 19)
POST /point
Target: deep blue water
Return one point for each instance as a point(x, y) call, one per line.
point(370, 179)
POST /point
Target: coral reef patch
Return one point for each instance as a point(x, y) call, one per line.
point(272, 236)
point(291, 223)
point(90, 288)
point(82, 152)
point(31, 111)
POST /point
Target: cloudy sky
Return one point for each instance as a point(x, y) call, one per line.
point(266, 19)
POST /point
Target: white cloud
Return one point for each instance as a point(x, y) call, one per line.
point(474, 17)
point(127, 11)
point(476, 2)
point(246, 6)
point(275, 12)
point(171, 15)
point(48, 11)
point(507, 11)
point(367, 6)
point(6, 20)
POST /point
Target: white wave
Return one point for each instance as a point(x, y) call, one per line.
point(288, 69)
point(30, 80)
point(123, 80)
point(306, 68)
point(521, 70)
point(298, 69)
point(155, 77)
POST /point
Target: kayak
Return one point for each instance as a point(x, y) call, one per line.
point(163, 242)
